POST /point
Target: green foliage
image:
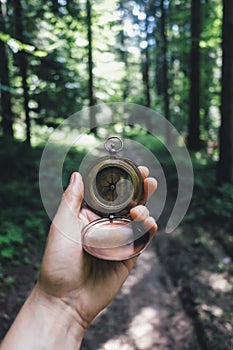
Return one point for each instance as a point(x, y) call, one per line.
point(11, 234)
point(131, 38)
point(10, 240)
point(22, 219)
point(72, 162)
point(210, 203)
point(24, 223)
point(221, 204)
point(19, 46)
point(9, 280)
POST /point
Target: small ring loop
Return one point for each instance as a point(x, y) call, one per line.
point(113, 144)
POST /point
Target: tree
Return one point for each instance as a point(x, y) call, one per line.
point(146, 75)
point(142, 57)
point(165, 67)
point(90, 67)
point(55, 7)
point(123, 54)
point(23, 66)
point(194, 111)
point(225, 165)
point(6, 110)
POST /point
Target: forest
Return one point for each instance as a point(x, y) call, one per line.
point(172, 57)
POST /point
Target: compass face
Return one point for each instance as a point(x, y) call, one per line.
point(113, 186)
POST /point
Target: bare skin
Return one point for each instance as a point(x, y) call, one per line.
point(73, 287)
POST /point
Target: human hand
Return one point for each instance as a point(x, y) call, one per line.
point(84, 283)
point(73, 286)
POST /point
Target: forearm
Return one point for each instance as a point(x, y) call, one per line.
point(44, 324)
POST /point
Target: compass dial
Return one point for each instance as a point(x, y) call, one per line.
point(113, 186)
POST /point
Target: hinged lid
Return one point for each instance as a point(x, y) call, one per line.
point(114, 239)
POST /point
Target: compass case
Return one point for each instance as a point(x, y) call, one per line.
point(112, 186)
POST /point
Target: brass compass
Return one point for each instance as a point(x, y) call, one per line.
point(113, 185)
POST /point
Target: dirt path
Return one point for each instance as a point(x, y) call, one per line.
point(146, 314)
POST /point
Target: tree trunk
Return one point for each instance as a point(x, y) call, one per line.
point(165, 83)
point(23, 69)
point(146, 70)
point(55, 7)
point(90, 68)
point(146, 86)
point(6, 110)
point(194, 113)
point(22, 61)
point(225, 165)
point(124, 58)
point(165, 65)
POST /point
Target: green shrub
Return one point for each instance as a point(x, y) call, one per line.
point(11, 238)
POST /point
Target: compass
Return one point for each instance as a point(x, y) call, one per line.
point(112, 186)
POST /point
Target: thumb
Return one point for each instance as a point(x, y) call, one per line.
point(73, 195)
point(66, 219)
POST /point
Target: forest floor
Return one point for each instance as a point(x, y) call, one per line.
point(146, 314)
point(178, 296)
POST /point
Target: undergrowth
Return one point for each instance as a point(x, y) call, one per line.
point(24, 222)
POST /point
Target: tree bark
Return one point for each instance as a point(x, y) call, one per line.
point(146, 70)
point(124, 58)
point(225, 165)
point(55, 7)
point(165, 83)
point(91, 96)
point(6, 110)
point(193, 139)
point(165, 65)
point(22, 61)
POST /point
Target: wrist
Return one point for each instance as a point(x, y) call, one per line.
point(61, 316)
point(45, 322)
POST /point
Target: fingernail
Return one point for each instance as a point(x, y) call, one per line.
point(76, 183)
point(138, 213)
point(75, 179)
point(138, 210)
point(72, 178)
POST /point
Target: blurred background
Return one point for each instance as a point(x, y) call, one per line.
point(175, 57)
